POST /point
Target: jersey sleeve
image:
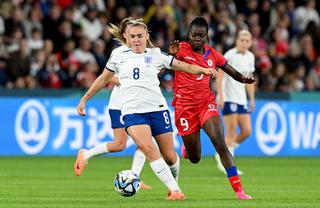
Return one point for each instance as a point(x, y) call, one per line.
point(112, 63)
point(220, 60)
point(165, 59)
point(227, 55)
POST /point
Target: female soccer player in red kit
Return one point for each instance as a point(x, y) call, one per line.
point(194, 103)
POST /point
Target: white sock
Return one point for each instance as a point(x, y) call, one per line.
point(138, 161)
point(162, 171)
point(175, 169)
point(97, 150)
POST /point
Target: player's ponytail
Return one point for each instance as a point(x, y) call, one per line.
point(117, 32)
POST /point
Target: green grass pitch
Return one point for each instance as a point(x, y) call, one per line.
point(50, 182)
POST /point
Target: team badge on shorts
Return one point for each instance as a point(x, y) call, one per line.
point(148, 59)
point(210, 63)
point(233, 107)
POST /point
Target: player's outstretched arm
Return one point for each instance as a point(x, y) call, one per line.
point(192, 69)
point(96, 86)
point(237, 75)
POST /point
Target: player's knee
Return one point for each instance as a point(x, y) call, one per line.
point(147, 149)
point(119, 147)
point(246, 133)
point(195, 159)
point(170, 158)
point(231, 135)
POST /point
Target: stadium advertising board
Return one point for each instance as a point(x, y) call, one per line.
point(51, 127)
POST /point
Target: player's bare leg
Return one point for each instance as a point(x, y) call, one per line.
point(244, 121)
point(214, 129)
point(193, 146)
point(230, 122)
point(117, 145)
point(141, 135)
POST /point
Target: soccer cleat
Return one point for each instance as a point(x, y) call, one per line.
point(145, 186)
point(176, 196)
point(241, 195)
point(183, 152)
point(80, 163)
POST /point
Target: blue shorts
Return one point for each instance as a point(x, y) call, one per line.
point(116, 119)
point(159, 121)
point(232, 108)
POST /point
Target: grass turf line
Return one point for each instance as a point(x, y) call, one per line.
point(50, 182)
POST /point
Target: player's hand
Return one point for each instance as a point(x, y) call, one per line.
point(80, 108)
point(174, 47)
point(220, 103)
point(210, 71)
point(248, 80)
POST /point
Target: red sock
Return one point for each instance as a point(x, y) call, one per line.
point(235, 183)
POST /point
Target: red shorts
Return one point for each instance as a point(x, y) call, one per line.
point(189, 119)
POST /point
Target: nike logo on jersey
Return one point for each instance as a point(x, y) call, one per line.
point(167, 127)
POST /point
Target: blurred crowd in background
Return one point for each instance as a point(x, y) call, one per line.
point(65, 44)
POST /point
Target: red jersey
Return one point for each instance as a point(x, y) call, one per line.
point(190, 89)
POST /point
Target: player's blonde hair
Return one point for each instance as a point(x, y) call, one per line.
point(244, 32)
point(118, 32)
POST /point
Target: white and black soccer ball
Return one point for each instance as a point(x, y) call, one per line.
point(127, 183)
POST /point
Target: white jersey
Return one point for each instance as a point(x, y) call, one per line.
point(138, 76)
point(234, 91)
point(115, 97)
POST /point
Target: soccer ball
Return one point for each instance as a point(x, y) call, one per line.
point(127, 183)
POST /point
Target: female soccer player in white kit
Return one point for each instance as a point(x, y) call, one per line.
point(232, 97)
point(120, 135)
point(144, 109)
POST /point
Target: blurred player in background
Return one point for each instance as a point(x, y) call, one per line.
point(144, 109)
point(194, 103)
point(232, 97)
point(120, 135)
